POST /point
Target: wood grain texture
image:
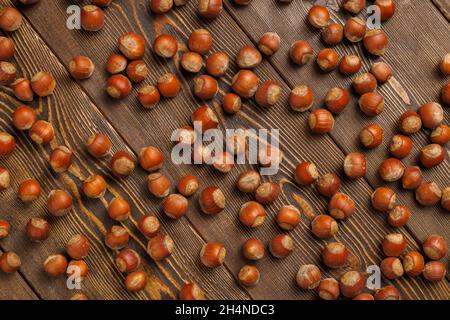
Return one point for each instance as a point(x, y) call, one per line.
point(362, 233)
point(75, 118)
point(444, 7)
point(414, 58)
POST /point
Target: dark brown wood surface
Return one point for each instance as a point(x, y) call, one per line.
point(78, 109)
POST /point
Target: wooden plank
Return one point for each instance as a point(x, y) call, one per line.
point(413, 56)
point(444, 7)
point(361, 233)
point(75, 118)
point(14, 287)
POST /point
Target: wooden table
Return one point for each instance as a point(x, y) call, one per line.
point(420, 36)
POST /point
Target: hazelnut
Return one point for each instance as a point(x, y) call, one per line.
point(387, 8)
point(337, 99)
point(318, 16)
point(5, 179)
point(118, 86)
point(248, 276)
point(324, 226)
point(428, 194)
point(191, 62)
point(29, 190)
point(335, 255)
point(371, 103)
point(341, 206)
point(212, 254)
point(160, 247)
point(116, 238)
point(391, 268)
point(391, 170)
point(383, 199)
point(116, 63)
point(248, 181)
point(122, 164)
point(59, 202)
point(248, 57)
point(399, 216)
point(445, 200)
point(371, 136)
point(301, 98)
point(350, 64)
point(253, 249)
point(327, 60)
point(61, 159)
point(37, 229)
point(252, 214)
point(81, 67)
point(205, 117)
point(132, 46)
point(354, 6)
point(306, 173)
point(355, 165)
point(431, 114)
point(321, 121)
point(268, 93)
point(149, 226)
point(77, 247)
point(5, 228)
point(381, 71)
point(98, 145)
point(288, 217)
point(351, 283)
point(301, 52)
point(43, 84)
point(281, 246)
point(160, 6)
point(150, 159)
point(22, 89)
point(7, 49)
point(78, 267)
point(267, 192)
point(10, 19)
point(55, 265)
point(175, 206)
point(205, 87)
point(41, 132)
point(434, 271)
point(394, 244)
point(432, 155)
point(94, 186)
point(137, 280)
point(149, 96)
point(365, 83)
point(308, 277)
point(444, 65)
point(223, 162)
point(168, 85)
point(191, 291)
point(375, 41)
point(245, 83)
point(7, 143)
point(364, 296)
point(410, 122)
point(119, 209)
point(401, 146)
point(188, 185)
point(412, 178)
point(210, 9)
point(217, 64)
point(9, 262)
point(137, 71)
point(328, 289)
point(92, 18)
point(200, 41)
point(333, 34)
point(269, 43)
point(435, 247)
point(165, 46)
point(440, 134)
point(413, 263)
point(328, 184)
point(387, 293)
point(128, 260)
point(354, 29)
point(211, 200)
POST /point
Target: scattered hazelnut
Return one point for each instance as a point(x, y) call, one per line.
point(217, 64)
point(122, 164)
point(371, 136)
point(301, 52)
point(281, 246)
point(119, 209)
point(394, 244)
point(59, 202)
point(212, 254)
point(308, 277)
point(41, 132)
point(94, 186)
point(269, 43)
point(29, 190)
point(391, 268)
point(149, 226)
point(78, 247)
point(61, 159)
point(267, 192)
point(355, 165)
point(432, 155)
point(350, 64)
point(428, 194)
point(150, 159)
point(412, 178)
point(9, 261)
point(248, 276)
point(253, 249)
point(200, 41)
point(351, 283)
point(399, 216)
point(435, 247)
point(341, 206)
point(37, 229)
point(434, 271)
point(391, 170)
point(337, 99)
point(288, 217)
point(211, 200)
point(55, 265)
point(328, 289)
point(324, 226)
point(413, 263)
point(116, 238)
